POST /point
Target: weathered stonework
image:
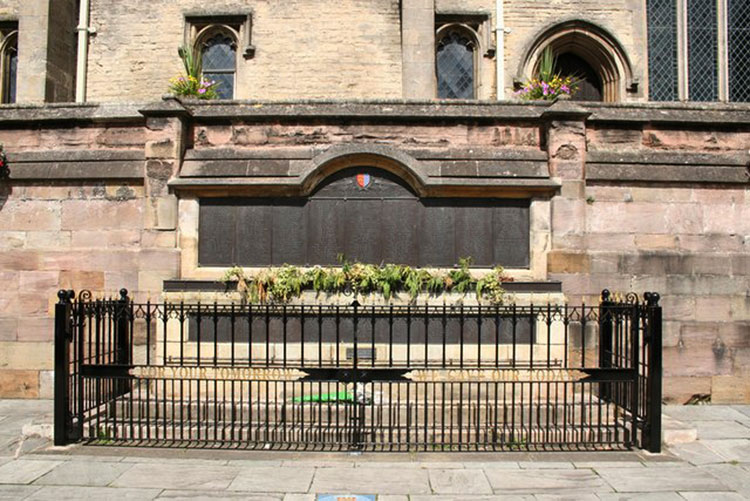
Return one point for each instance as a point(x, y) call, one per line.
point(111, 201)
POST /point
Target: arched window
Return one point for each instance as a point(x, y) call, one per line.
point(589, 83)
point(9, 66)
point(219, 51)
point(456, 63)
point(588, 52)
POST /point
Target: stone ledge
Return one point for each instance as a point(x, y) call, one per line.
point(666, 173)
point(77, 164)
point(668, 167)
point(70, 112)
point(435, 186)
point(217, 286)
point(667, 157)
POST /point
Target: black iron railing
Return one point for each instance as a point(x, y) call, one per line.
point(358, 377)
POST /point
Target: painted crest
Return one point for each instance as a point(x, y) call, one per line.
point(363, 180)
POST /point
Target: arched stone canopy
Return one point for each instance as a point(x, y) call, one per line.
point(594, 45)
point(341, 157)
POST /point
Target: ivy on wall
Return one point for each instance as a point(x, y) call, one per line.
point(280, 284)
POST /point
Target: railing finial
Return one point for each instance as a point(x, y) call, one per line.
point(652, 298)
point(605, 295)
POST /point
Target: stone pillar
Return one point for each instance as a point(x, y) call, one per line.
point(33, 21)
point(418, 49)
point(566, 146)
point(165, 143)
point(46, 51)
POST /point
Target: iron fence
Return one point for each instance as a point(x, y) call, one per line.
point(357, 377)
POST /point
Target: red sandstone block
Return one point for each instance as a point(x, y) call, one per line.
point(19, 384)
point(102, 214)
point(713, 309)
point(8, 328)
point(30, 215)
point(37, 330)
point(39, 281)
point(108, 238)
point(79, 280)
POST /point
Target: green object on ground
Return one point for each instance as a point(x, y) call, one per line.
point(327, 397)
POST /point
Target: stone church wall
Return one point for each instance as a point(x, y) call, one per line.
point(621, 199)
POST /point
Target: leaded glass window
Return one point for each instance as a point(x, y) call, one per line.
point(703, 54)
point(455, 66)
point(662, 50)
point(219, 63)
point(9, 67)
point(738, 13)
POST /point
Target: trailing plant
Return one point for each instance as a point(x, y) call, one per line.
point(193, 83)
point(548, 85)
point(281, 284)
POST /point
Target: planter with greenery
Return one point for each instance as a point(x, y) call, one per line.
point(547, 85)
point(281, 284)
point(193, 83)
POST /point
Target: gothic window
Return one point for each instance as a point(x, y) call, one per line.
point(662, 50)
point(219, 62)
point(698, 50)
point(589, 83)
point(739, 48)
point(703, 51)
point(8, 64)
point(589, 54)
point(219, 38)
point(456, 61)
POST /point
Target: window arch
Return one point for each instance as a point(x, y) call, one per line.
point(456, 62)
point(9, 66)
point(589, 49)
point(218, 48)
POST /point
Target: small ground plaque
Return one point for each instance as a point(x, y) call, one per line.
point(346, 497)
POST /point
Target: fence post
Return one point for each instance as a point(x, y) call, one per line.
point(63, 335)
point(653, 420)
point(122, 344)
point(605, 341)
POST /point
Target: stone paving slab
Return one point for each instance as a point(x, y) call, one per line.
point(733, 476)
point(704, 413)
point(177, 476)
point(697, 453)
point(84, 473)
point(608, 464)
point(574, 496)
point(715, 496)
point(730, 450)
point(274, 479)
point(457, 481)
point(184, 495)
point(16, 492)
point(60, 493)
point(461, 497)
point(721, 430)
point(25, 472)
point(544, 481)
point(662, 479)
point(557, 465)
point(370, 480)
point(643, 496)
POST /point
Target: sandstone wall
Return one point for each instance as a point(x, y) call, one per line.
point(78, 214)
point(308, 49)
point(622, 198)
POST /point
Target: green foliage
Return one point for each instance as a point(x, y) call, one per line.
point(193, 84)
point(287, 282)
point(547, 64)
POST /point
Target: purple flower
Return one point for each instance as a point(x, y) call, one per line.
point(201, 91)
point(565, 88)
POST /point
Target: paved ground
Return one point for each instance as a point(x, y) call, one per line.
point(716, 467)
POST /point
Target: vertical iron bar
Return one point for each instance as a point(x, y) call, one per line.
point(62, 368)
point(654, 340)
